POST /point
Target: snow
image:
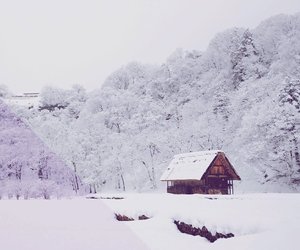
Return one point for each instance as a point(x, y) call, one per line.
point(258, 221)
point(76, 224)
point(189, 166)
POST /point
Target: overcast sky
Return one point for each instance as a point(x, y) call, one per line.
point(63, 42)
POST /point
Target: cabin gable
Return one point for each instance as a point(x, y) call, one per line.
point(221, 167)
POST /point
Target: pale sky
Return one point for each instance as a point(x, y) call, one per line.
point(66, 42)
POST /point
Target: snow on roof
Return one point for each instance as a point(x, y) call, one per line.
point(189, 166)
point(26, 100)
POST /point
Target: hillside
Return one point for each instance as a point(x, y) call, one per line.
point(241, 95)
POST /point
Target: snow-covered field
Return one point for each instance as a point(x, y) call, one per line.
point(258, 221)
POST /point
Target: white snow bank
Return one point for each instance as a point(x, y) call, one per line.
point(256, 220)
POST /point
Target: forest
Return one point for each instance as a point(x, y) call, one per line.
point(241, 95)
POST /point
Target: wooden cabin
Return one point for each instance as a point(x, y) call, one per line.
point(204, 172)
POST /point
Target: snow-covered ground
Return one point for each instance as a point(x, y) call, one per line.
point(258, 221)
point(75, 224)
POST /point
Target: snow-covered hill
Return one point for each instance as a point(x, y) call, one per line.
point(241, 95)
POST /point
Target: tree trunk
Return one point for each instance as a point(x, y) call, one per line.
point(76, 178)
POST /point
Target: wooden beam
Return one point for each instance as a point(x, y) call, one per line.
point(217, 176)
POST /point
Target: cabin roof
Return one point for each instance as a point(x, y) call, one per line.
point(189, 166)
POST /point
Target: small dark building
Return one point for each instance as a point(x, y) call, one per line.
point(205, 172)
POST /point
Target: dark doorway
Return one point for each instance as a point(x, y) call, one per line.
point(217, 183)
point(189, 190)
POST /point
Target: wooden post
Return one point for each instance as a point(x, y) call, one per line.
point(228, 187)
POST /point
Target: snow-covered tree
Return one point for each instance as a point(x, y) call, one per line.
point(24, 158)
